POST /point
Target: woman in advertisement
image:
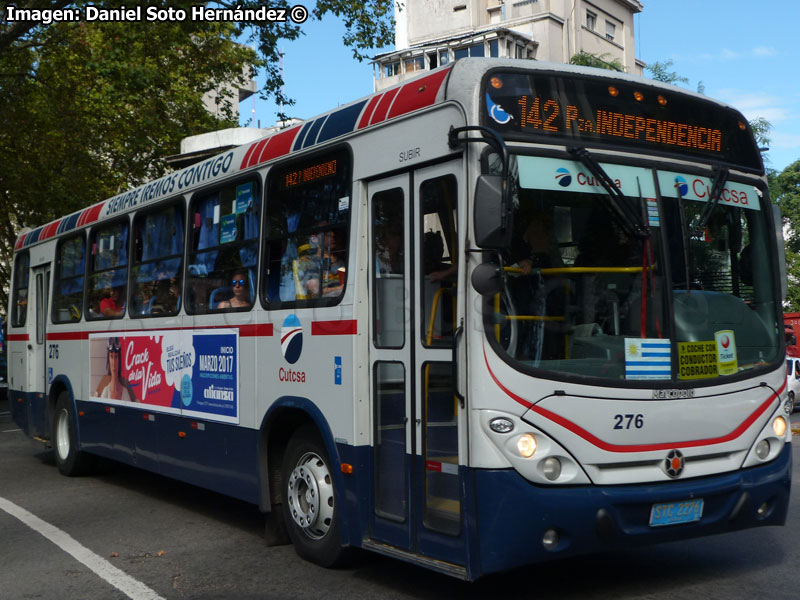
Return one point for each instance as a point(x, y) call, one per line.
point(112, 385)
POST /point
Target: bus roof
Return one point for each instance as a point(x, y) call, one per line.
point(409, 96)
point(415, 94)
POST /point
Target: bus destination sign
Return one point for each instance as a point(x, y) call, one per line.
point(309, 173)
point(600, 111)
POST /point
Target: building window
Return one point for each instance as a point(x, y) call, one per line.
point(493, 51)
point(444, 57)
point(391, 69)
point(591, 20)
point(416, 63)
point(610, 30)
point(476, 50)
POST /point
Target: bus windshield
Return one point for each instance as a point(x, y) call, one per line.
point(587, 294)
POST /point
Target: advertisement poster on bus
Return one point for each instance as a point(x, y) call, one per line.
point(193, 373)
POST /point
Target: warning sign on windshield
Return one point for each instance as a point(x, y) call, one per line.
point(697, 360)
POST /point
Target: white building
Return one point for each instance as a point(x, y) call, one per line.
point(430, 33)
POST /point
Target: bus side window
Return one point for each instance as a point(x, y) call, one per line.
point(307, 231)
point(68, 284)
point(108, 272)
point(223, 254)
point(158, 262)
point(20, 299)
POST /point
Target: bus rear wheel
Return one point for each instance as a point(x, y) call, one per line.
point(309, 503)
point(69, 460)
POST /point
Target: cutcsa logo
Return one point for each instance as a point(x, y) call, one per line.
point(681, 186)
point(291, 339)
point(563, 177)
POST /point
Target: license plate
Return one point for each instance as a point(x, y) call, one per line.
point(673, 513)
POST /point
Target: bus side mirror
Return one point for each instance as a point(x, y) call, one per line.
point(487, 279)
point(492, 224)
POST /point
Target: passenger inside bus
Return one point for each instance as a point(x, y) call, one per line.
point(110, 304)
point(241, 292)
point(333, 267)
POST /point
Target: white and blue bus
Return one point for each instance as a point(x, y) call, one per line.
point(505, 312)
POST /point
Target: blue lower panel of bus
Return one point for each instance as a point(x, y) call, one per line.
point(513, 514)
point(29, 412)
point(216, 456)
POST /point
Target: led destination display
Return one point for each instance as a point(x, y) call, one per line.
point(585, 111)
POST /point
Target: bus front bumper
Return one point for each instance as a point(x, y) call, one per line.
point(520, 523)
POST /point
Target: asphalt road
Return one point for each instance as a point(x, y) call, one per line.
point(124, 529)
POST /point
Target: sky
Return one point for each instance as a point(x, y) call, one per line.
point(745, 53)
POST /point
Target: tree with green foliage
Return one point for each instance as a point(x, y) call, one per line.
point(603, 61)
point(92, 108)
point(785, 189)
point(661, 71)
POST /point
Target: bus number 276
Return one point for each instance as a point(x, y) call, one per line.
point(628, 421)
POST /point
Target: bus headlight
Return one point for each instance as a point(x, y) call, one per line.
point(779, 426)
point(526, 445)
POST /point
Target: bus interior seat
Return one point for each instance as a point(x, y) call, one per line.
point(218, 295)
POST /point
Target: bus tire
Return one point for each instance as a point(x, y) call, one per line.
point(69, 460)
point(310, 504)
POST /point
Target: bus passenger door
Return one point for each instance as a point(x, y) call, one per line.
point(390, 361)
point(38, 380)
point(413, 315)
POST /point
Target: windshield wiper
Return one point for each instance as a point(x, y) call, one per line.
point(616, 202)
point(698, 230)
point(720, 178)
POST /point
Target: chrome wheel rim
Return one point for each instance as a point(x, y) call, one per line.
point(310, 496)
point(62, 434)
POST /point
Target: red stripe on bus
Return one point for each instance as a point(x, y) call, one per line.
point(91, 214)
point(262, 329)
point(50, 230)
point(334, 327)
point(279, 144)
point(383, 108)
point(20, 241)
point(365, 118)
point(418, 94)
point(247, 155)
point(18, 337)
point(608, 447)
point(68, 335)
point(256, 152)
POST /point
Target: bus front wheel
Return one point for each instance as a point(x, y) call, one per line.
point(69, 460)
point(309, 503)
